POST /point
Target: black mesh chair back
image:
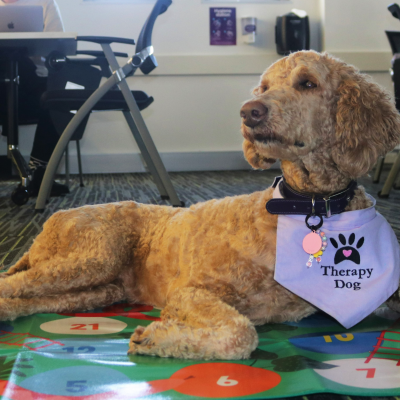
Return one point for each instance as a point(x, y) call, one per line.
point(396, 80)
point(144, 39)
point(394, 41)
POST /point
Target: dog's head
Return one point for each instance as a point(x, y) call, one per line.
point(325, 121)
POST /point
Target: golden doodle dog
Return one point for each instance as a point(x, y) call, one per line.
point(211, 267)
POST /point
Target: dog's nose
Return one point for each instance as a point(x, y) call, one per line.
point(253, 112)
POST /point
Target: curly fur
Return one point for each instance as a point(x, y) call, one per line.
point(210, 267)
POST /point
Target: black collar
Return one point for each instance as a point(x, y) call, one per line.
point(302, 203)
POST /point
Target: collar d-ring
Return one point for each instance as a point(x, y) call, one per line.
point(314, 227)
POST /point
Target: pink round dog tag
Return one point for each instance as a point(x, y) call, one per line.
point(312, 243)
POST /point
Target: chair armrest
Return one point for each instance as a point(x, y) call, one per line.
point(104, 39)
point(99, 61)
point(96, 53)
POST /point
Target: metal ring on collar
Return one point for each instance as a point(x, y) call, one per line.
point(314, 227)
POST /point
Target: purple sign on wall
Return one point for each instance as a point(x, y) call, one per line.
point(223, 26)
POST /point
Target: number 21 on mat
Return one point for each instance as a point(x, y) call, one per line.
point(83, 327)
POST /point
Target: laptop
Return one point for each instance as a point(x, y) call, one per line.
point(21, 19)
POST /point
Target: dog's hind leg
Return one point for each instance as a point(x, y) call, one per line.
point(197, 324)
point(100, 296)
point(57, 276)
point(21, 265)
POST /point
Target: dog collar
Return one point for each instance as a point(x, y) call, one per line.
point(308, 203)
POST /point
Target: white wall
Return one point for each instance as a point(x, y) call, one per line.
point(184, 28)
point(354, 30)
point(358, 25)
point(198, 88)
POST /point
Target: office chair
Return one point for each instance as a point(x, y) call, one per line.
point(87, 73)
point(123, 99)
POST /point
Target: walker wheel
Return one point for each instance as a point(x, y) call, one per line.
point(383, 196)
point(20, 195)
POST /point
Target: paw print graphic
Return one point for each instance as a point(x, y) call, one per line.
point(347, 252)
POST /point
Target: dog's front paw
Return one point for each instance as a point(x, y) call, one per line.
point(137, 335)
point(163, 339)
point(142, 342)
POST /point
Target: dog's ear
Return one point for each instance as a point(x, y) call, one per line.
point(367, 125)
point(255, 159)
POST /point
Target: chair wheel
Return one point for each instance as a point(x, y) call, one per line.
point(20, 196)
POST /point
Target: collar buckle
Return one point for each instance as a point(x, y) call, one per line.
point(328, 207)
point(328, 201)
point(313, 205)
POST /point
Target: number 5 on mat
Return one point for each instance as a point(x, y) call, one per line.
point(76, 386)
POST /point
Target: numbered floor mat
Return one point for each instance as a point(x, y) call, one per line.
point(83, 356)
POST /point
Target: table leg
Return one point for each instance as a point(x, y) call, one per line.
point(11, 123)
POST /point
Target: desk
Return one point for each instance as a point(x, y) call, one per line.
point(39, 43)
point(13, 45)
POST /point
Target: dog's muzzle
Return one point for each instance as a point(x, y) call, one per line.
point(252, 113)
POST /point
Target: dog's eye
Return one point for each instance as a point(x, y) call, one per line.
point(263, 89)
point(308, 85)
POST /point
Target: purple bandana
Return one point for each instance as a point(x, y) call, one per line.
point(358, 271)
